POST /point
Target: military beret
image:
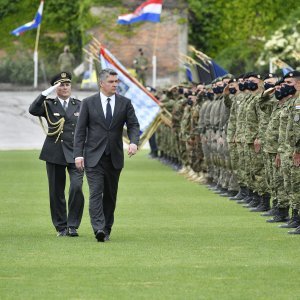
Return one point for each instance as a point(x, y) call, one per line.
point(61, 77)
point(270, 75)
point(232, 80)
point(292, 74)
point(252, 74)
point(227, 76)
point(218, 79)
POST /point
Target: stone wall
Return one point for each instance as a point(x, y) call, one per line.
point(170, 36)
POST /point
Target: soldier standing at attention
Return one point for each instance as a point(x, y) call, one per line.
point(61, 114)
point(291, 86)
point(66, 60)
point(141, 66)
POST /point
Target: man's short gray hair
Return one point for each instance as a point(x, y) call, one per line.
point(105, 73)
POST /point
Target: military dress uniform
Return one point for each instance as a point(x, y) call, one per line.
point(57, 151)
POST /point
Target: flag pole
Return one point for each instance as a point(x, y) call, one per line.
point(36, 57)
point(154, 61)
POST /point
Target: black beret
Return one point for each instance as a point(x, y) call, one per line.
point(270, 75)
point(227, 76)
point(292, 74)
point(252, 74)
point(61, 77)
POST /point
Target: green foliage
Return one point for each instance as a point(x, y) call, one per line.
point(172, 239)
point(111, 3)
point(19, 69)
point(7, 7)
point(233, 32)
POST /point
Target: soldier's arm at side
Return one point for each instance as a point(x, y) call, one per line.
point(80, 131)
point(133, 126)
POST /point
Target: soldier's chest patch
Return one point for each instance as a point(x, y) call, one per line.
point(297, 106)
point(56, 114)
point(297, 118)
point(76, 114)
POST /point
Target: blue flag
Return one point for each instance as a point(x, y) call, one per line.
point(218, 70)
point(30, 25)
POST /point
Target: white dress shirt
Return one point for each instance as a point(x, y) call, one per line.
point(112, 102)
point(62, 101)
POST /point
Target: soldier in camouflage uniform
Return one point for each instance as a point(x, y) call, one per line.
point(205, 131)
point(232, 95)
point(177, 114)
point(223, 151)
point(274, 180)
point(66, 60)
point(197, 152)
point(291, 86)
point(283, 163)
point(242, 101)
point(184, 134)
point(141, 65)
point(254, 168)
point(214, 132)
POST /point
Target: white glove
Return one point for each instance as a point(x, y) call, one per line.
point(48, 91)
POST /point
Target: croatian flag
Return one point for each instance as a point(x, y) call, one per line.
point(31, 25)
point(146, 106)
point(149, 11)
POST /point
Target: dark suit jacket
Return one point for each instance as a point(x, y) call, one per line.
point(92, 133)
point(60, 152)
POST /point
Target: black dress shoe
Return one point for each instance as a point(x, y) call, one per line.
point(100, 236)
point(63, 232)
point(72, 232)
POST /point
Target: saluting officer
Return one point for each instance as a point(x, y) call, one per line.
point(61, 115)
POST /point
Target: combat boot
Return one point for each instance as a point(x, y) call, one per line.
point(272, 211)
point(282, 215)
point(296, 231)
point(220, 190)
point(249, 197)
point(231, 193)
point(241, 194)
point(294, 222)
point(264, 204)
point(256, 200)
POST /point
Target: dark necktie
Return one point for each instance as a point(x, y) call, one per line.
point(65, 105)
point(108, 121)
point(108, 113)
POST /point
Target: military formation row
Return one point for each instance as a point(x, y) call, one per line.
point(241, 137)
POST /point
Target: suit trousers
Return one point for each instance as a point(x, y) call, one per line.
point(57, 183)
point(103, 180)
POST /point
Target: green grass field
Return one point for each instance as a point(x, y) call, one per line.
point(172, 239)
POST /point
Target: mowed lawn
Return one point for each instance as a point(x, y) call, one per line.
point(172, 239)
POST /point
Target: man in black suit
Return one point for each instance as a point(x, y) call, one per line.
point(98, 147)
point(61, 114)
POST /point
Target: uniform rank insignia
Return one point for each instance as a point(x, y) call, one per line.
point(56, 114)
point(76, 114)
point(297, 118)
